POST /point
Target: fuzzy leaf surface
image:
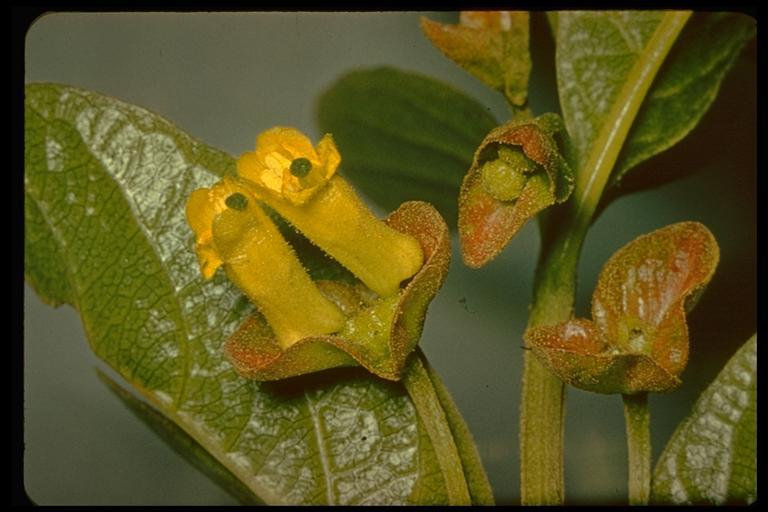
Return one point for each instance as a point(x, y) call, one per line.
point(712, 456)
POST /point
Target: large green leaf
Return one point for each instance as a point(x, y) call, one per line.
point(712, 456)
point(403, 136)
point(106, 184)
point(596, 52)
point(686, 86)
point(182, 443)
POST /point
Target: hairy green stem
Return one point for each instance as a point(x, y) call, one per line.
point(542, 406)
point(432, 416)
point(638, 419)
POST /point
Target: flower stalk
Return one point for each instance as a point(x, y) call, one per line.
point(542, 405)
point(638, 420)
point(419, 386)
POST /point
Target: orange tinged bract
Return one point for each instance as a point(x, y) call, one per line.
point(379, 334)
point(637, 340)
point(491, 45)
point(518, 170)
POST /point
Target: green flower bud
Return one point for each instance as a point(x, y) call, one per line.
point(505, 177)
point(518, 171)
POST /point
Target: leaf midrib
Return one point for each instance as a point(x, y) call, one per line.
point(596, 167)
point(321, 450)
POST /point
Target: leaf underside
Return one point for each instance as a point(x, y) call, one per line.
point(105, 189)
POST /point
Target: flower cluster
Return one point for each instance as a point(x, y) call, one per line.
point(302, 325)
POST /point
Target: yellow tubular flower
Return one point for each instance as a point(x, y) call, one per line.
point(233, 230)
point(298, 182)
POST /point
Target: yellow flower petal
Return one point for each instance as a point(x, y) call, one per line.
point(271, 165)
point(290, 141)
point(338, 222)
point(261, 263)
point(329, 154)
point(232, 230)
point(202, 207)
point(298, 182)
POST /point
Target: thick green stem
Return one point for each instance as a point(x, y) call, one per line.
point(542, 406)
point(638, 419)
point(543, 400)
point(432, 416)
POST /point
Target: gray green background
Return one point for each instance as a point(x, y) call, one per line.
point(223, 78)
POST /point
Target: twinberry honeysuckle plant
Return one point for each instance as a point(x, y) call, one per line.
point(626, 94)
point(274, 335)
point(303, 326)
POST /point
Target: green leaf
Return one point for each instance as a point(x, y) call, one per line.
point(42, 253)
point(596, 54)
point(182, 443)
point(712, 456)
point(106, 184)
point(686, 86)
point(403, 136)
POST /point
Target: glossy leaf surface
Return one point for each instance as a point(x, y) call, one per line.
point(106, 185)
point(596, 53)
point(182, 443)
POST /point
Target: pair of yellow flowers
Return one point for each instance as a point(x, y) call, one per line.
point(300, 183)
